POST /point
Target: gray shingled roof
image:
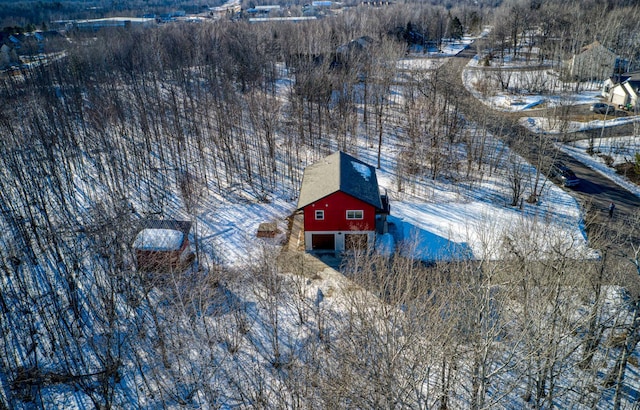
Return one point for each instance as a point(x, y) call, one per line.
point(634, 83)
point(339, 172)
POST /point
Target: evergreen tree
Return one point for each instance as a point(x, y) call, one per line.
point(455, 28)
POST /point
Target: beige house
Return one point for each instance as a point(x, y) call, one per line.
point(593, 62)
point(622, 90)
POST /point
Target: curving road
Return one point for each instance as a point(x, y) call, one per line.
point(595, 192)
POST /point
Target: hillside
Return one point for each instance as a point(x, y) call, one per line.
point(214, 123)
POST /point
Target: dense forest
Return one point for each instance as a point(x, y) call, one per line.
point(142, 122)
point(37, 12)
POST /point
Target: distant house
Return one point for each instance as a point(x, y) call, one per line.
point(377, 3)
point(593, 62)
point(11, 47)
point(356, 52)
point(112, 22)
point(263, 10)
point(341, 204)
point(359, 45)
point(229, 8)
point(623, 89)
point(163, 246)
point(28, 43)
point(320, 6)
point(607, 86)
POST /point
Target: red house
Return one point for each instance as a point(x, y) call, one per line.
point(341, 203)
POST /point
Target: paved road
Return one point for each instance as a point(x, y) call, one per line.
point(595, 192)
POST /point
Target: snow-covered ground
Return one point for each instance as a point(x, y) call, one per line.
point(529, 87)
point(263, 336)
point(555, 93)
point(549, 126)
point(437, 220)
point(621, 149)
point(443, 223)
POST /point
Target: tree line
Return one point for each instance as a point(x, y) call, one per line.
point(136, 123)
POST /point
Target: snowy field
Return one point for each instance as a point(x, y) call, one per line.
point(445, 225)
point(440, 222)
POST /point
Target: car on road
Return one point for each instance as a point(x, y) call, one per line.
point(563, 175)
point(603, 108)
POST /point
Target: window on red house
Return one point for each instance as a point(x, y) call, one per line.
point(319, 215)
point(355, 214)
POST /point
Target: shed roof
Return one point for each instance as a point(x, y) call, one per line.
point(182, 226)
point(159, 240)
point(339, 172)
point(359, 44)
point(161, 235)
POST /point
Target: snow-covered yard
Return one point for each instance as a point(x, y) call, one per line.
point(443, 221)
point(436, 220)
